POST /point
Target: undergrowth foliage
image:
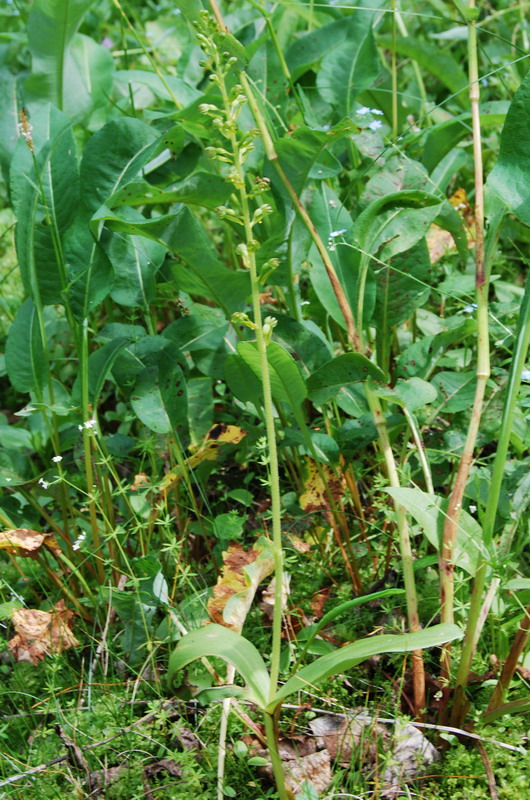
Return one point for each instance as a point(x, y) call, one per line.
point(264, 419)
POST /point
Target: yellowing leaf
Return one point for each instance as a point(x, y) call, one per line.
point(316, 497)
point(25, 542)
point(217, 435)
point(439, 241)
point(41, 633)
point(242, 573)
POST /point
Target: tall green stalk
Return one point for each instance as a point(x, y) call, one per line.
point(454, 509)
point(354, 335)
point(522, 342)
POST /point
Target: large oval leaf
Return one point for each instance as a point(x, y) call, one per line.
point(330, 378)
point(352, 654)
point(220, 642)
point(25, 363)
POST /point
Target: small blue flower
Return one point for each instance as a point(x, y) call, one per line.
point(375, 125)
point(470, 308)
point(525, 375)
point(334, 234)
point(377, 111)
point(363, 110)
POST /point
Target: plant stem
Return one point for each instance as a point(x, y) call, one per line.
point(483, 360)
point(522, 342)
point(518, 646)
point(418, 673)
point(276, 761)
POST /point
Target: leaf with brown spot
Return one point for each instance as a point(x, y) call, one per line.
point(141, 481)
point(21, 541)
point(316, 497)
point(217, 435)
point(41, 633)
point(242, 573)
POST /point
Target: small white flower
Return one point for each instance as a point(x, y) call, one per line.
point(57, 459)
point(363, 110)
point(90, 423)
point(79, 541)
point(25, 132)
point(525, 375)
point(43, 483)
point(377, 111)
point(7, 480)
point(470, 308)
point(375, 125)
point(484, 82)
point(472, 509)
point(334, 234)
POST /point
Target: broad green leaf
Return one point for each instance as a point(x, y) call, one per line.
point(352, 654)
point(330, 217)
point(25, 363)
point(89, 85)
point(194, 332)
point(88, 270)
point(415, 393)
point(9, 102)
point(202, 188)
point(201, 273)
point(287, 383)
point(374, 229)
point(347, 606)
point(351, 66)
point(309, 49)
point(430, 513)
point(510, 177)
point(421, 357)
point(456, 389)
point(135, 261)
point(159, 399)
point(330, 378)
point(147, 351)
point(431, 58)
point(303, 340)
point(305, 154)
point(52, 25)
point(242, 381)
point(402, 287)
point(168, 88)
point(37, 215)
point(220, 642)
point(100, 364)
point(113, 157)
point(200, 408)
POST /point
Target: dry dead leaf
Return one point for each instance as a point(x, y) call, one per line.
point(26, 542)
point(141, 481)
point(242, 573)
point(300, 765)
point(315, 497)
point(439, 241)
point(41, 633)
point(217, 435)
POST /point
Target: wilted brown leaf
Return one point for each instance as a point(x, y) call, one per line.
point(242, 573)
point(141, 481)
point(440, 241)
point(315, 497)
point(40, 633)
point(217, 435)
point(25, 542)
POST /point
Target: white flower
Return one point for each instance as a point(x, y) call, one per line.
point(525, 375)
point(472, 509)
point(89, 424)
point(363, 110)
point(377, 111)
point(334, 234)
point(25, 132)
point(43, 483)
point(470, 308)
point(375, 124)
point(57, 459)
point(79, 541)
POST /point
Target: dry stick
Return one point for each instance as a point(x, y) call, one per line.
point(483, 369)
point(354, 340)
point(510, 665)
